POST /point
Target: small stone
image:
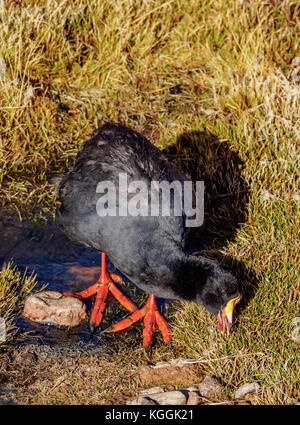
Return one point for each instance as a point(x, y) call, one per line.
point(52, 307)
point(152, 390)
point(170, 397)
point(142, 401)
point(210, 387)
point(252, 387)
point(193, 398)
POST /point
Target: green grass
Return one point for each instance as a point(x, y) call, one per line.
point(70, 66)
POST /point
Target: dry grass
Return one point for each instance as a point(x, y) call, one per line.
point(77, 375)
point(209, 70)
point(13, 290)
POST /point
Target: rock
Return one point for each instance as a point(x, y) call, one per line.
point(169, 397)
point(246, 389)
point(140, 401)
point(210, 387)
point(152, 390)
point(175, 372)
point(194, 398)
point(54, 308)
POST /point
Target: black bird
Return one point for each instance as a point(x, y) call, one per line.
point(149, 250)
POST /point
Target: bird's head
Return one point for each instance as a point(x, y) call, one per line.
point(219, 296)
point(218, 292)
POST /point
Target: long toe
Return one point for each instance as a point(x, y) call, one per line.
point(149, 330)
point(86, 293)
point(99, 306)
point(163, 327)
point(151, 316)
point(121, 297)
point(128, 321)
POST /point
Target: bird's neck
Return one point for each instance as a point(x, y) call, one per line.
point(191, 274)
point(181, 275)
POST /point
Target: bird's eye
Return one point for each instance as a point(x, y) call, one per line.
point(223, 292)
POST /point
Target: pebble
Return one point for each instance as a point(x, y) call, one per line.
point(177, 398)
point(252, 387)
point(52, 307)
point(210, 387)
point(194, 398)
point(169, 397)
point(152, 390)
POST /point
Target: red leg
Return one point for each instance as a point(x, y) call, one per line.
point(101, 288)
point(99, 306)
point(149, 329)
point(163, 327)
point(84, 294)
point(151, 316)
point(123, 324)
point(121, 297)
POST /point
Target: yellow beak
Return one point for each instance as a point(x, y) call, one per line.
point(225, 316)
point(231, 303)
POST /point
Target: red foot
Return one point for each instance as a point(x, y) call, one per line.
point(151, 316)
point(101, 288)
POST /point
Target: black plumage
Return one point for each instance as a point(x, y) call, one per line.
point(150, 251)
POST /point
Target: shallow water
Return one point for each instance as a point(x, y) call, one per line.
point(41, 248)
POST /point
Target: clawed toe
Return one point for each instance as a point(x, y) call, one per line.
point(101, 289)
point(150, 311)
point(151, 317)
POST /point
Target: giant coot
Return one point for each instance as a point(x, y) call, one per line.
point(149, 250)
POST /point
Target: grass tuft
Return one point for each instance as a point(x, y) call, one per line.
point(13, 290)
